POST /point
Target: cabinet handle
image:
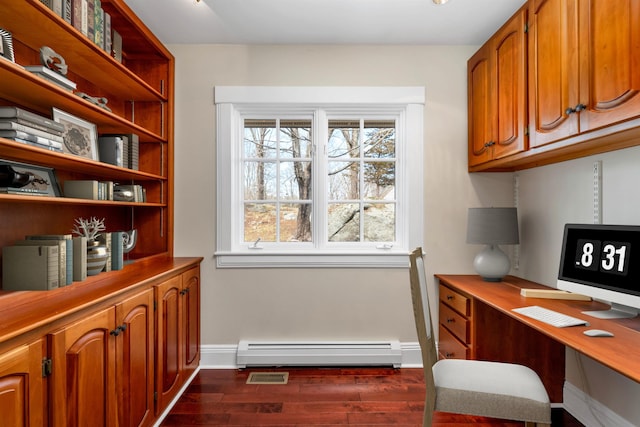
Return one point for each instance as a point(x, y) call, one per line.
point(451, 320)
point(184, 291)
point(450, 297)
point(118, 329)
point(449, 355)
point(489, 144)
point(577, 109)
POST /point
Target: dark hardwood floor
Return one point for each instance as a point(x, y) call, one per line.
point(319, 397)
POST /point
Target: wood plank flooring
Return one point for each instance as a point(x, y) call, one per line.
point(319, 397)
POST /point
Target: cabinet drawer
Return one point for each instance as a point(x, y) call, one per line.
point(455, 322)
point(449, 347)
point(455, 300)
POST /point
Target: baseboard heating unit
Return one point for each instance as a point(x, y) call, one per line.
point(327, 353)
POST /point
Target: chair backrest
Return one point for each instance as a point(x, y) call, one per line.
point(424, 328)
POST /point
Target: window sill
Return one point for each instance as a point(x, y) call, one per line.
point(396, 259)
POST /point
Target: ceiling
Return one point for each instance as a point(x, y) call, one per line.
point(458, 22)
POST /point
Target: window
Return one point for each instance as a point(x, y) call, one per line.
point(318, 177)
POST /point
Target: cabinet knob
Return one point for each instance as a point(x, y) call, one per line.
point(449, 355)
point(451, 320)
point(449, 297)
point(115, 332)
point(489, 144)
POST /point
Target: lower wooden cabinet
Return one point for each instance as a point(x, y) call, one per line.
point(21, 386)
point(178, 335)
point(119, 362)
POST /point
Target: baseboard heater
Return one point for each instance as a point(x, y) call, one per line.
point(327, 353)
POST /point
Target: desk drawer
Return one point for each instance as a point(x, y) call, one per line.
point(455, 300)
point(449, 347)
point(455, 322)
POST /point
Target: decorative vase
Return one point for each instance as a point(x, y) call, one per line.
point(96, 257)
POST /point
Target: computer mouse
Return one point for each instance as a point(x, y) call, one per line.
point(597, 333)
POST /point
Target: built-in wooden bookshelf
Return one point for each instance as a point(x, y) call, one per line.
point(139, 91)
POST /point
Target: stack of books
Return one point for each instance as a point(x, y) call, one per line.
point(52, 76)
point(30, 128)
point(109, 145)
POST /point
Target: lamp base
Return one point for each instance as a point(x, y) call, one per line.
point(492, 264)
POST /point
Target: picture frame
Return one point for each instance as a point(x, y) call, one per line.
point(80, 136)
point(44, 181)
point(6, 45)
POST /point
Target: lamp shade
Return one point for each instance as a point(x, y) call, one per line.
point(492, 226)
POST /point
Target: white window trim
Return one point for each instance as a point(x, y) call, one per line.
point(231, 100)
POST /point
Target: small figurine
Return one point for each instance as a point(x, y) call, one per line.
point(53, 60)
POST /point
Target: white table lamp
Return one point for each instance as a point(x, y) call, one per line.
point(492, 227)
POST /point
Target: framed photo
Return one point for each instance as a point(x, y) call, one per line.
point(40, 180)
point(80, 136)
point(6, 45)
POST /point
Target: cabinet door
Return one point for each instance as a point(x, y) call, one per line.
point(169, 345)
point(610, 62)
point(83, 372)
point(509, 51)
point(553, 70)
point(497, 94)
point(480, 106)
point(191, 301)
point(134, 360)
point(21, 392)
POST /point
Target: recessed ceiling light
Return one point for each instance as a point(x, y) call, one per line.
point(440, 1)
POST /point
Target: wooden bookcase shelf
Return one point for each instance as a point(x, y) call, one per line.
point(140, 95)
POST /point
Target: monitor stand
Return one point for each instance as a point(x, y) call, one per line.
point(617, 311)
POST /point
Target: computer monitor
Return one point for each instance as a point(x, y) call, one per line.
point(603, 262)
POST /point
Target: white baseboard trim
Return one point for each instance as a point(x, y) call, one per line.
point(224, 356)
point(588, 411)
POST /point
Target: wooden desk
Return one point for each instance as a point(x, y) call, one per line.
point(487, 329)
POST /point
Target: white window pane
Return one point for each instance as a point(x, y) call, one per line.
point(344, 180)
point(295, 180)
point(295, 139)
point(344, 222)
point(295, 222)
point(380, 222)
point(260, 222)
point(260, 181)
point(260, 139)
point(379, 180)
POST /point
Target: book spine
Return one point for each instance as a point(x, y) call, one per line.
point(66, 10)
point(30, 267)
point(98, 25)
point(62, 254)
point(19, 113)
point(82, 189)
point(117, 250)
point(107, 33)
point(105, 238)
point(57, 7)
point(84, 8)
point(30, 137)
point(52, 146)
point(91, 19)
point(76, 14)
point(79, 258)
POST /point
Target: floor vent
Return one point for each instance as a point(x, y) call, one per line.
point(365, 353)
point(268, 378)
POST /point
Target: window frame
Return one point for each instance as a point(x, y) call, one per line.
point(234, 102)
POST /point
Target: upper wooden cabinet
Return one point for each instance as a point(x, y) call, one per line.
point(583, 83)
point(584, 66)
point(497, 94)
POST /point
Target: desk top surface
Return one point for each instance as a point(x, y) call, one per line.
point(620, 352)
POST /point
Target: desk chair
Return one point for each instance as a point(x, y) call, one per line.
point(473, 387)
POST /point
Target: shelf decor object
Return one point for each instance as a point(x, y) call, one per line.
point(6, 45)
point(80, 136)
point(492, 227)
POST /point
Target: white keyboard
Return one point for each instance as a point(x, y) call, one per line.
point(549, 316)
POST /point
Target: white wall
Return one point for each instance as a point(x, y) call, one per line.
point(361, 304)
point(324, 303)
point(553, 195)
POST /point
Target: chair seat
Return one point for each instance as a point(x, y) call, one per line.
point(492, 389)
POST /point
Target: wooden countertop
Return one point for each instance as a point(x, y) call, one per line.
point(25, 311)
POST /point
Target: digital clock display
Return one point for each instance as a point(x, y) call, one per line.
point(607, 256)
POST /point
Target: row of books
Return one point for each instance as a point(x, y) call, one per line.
point(120, 150)
point(30, 128)
point(88, 17)
point(51, 261)
point(92, 189)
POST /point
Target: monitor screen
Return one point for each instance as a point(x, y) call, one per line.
point(605, 259)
